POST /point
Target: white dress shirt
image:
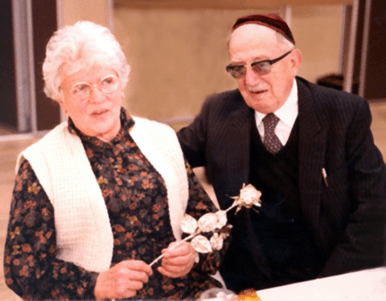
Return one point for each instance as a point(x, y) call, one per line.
point(287, 115)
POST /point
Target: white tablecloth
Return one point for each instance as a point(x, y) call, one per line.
point(367, 285)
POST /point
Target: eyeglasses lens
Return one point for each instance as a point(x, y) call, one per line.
point(236, 71)
point(109, 84)
point(82, 91)
point(261, 68)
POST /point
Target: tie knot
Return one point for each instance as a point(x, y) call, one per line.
point(270, 121)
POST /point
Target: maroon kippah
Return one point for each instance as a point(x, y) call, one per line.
point(273, 21)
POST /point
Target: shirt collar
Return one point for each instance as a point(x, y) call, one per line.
point(288, 112)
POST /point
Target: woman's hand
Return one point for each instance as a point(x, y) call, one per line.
point(177, 262)
point(123, 280)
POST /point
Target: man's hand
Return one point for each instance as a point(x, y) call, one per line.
point(177, 262)
point(123, 280)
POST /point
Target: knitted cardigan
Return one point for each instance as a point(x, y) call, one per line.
point(84, 234)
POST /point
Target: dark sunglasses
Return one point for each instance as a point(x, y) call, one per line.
point(260, 68)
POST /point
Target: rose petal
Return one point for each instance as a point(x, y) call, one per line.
point(216, 242)
point(226, 231)
point(201, 244)
point(221, 219)
point(188, 224)
point(207, 222)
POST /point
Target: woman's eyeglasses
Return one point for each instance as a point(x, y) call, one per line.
point(82, 91)
point(260, 68)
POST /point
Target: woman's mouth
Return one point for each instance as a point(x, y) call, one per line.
point(99, 112)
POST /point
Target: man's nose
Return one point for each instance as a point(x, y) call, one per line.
point(251, 78)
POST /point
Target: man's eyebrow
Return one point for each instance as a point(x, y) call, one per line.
point(255, 60)
point(261, 58)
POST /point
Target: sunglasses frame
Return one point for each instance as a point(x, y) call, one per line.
point(230, 68)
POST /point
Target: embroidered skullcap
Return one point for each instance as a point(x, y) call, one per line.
point(273, 21)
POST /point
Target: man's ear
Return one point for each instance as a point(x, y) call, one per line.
point(296, 59)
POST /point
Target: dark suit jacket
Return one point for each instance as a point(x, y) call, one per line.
point(347, 217)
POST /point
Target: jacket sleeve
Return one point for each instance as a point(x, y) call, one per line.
point(31, 268)
point(193, 138)
point(361, 243)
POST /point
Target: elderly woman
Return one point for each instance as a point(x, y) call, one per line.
point(102, 195)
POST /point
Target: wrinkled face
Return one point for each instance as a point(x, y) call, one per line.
point(252, 43)
point(98, 115)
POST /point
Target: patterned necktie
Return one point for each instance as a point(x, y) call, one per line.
point(271, 142)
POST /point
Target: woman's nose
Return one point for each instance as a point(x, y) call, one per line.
point(96, 95)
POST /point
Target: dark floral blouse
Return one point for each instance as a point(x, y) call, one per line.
point(137, 204)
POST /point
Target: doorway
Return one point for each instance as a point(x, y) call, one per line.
point(26, 28)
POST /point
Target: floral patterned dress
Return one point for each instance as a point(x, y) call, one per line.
point(137, 204)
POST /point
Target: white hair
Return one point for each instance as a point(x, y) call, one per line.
point(79, 47)
point(284, 41)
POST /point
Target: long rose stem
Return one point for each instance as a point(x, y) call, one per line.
point(186, 238)
point(177, 244)
point(233, 205)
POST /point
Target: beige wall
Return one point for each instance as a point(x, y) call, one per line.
point(91, 10)
point(178, 57)
point(318, 33)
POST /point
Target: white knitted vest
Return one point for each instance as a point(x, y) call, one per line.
point(83, 229)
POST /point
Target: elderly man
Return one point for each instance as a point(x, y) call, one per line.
point(307, 148)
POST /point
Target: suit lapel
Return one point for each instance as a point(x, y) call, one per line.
point(240, 125)
point(312, 144)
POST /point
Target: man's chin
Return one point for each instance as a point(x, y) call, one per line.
point(262, 104)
